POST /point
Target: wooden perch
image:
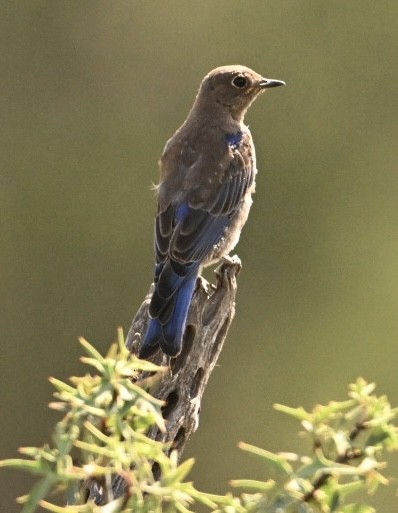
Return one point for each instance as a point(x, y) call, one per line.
point(210, 316)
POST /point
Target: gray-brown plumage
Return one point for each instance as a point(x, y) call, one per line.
point(207, 177)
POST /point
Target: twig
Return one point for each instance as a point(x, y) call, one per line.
point(345, 458)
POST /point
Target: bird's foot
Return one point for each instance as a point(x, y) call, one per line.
point(230, 267)
point(232, 260)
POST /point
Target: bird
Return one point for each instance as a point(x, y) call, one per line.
point(207, 177)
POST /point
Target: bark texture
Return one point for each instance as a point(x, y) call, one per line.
point(182, 387)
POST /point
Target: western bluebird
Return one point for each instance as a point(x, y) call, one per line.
point(207, 177)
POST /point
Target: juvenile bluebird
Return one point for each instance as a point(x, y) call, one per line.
point(207, 177)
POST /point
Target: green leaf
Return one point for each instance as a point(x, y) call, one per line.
point(98, 412)
point(352, 487)
point(327, 412)
point(91, 351)
point(33, 452)
point(34, 467)
point(64, 440)
point(61, 386)
point(38, 491)
point(274, 460)
point(297, 413)
point(180, 473)
point(251, 484)
point(93, 362)
point(95, 449)
point(84, 508)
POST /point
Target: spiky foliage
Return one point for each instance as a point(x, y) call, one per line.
point(103, 434)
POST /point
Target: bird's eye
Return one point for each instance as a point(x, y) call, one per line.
point(239, 81)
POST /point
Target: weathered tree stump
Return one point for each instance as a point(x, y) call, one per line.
point(183, 385)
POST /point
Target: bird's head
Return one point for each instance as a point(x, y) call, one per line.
point(233, 88)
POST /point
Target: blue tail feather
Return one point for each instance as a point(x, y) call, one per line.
point(152, 339)
point(173, 330)
point(169, 312)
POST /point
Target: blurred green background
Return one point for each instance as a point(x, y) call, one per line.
point(90, 92)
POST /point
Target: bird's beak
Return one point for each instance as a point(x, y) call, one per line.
point(265, 83)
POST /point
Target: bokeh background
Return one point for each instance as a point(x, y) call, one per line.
point(89, 93)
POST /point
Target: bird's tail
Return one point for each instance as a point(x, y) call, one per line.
point(169, 316)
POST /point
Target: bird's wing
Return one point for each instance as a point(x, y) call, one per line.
point(187, 231)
